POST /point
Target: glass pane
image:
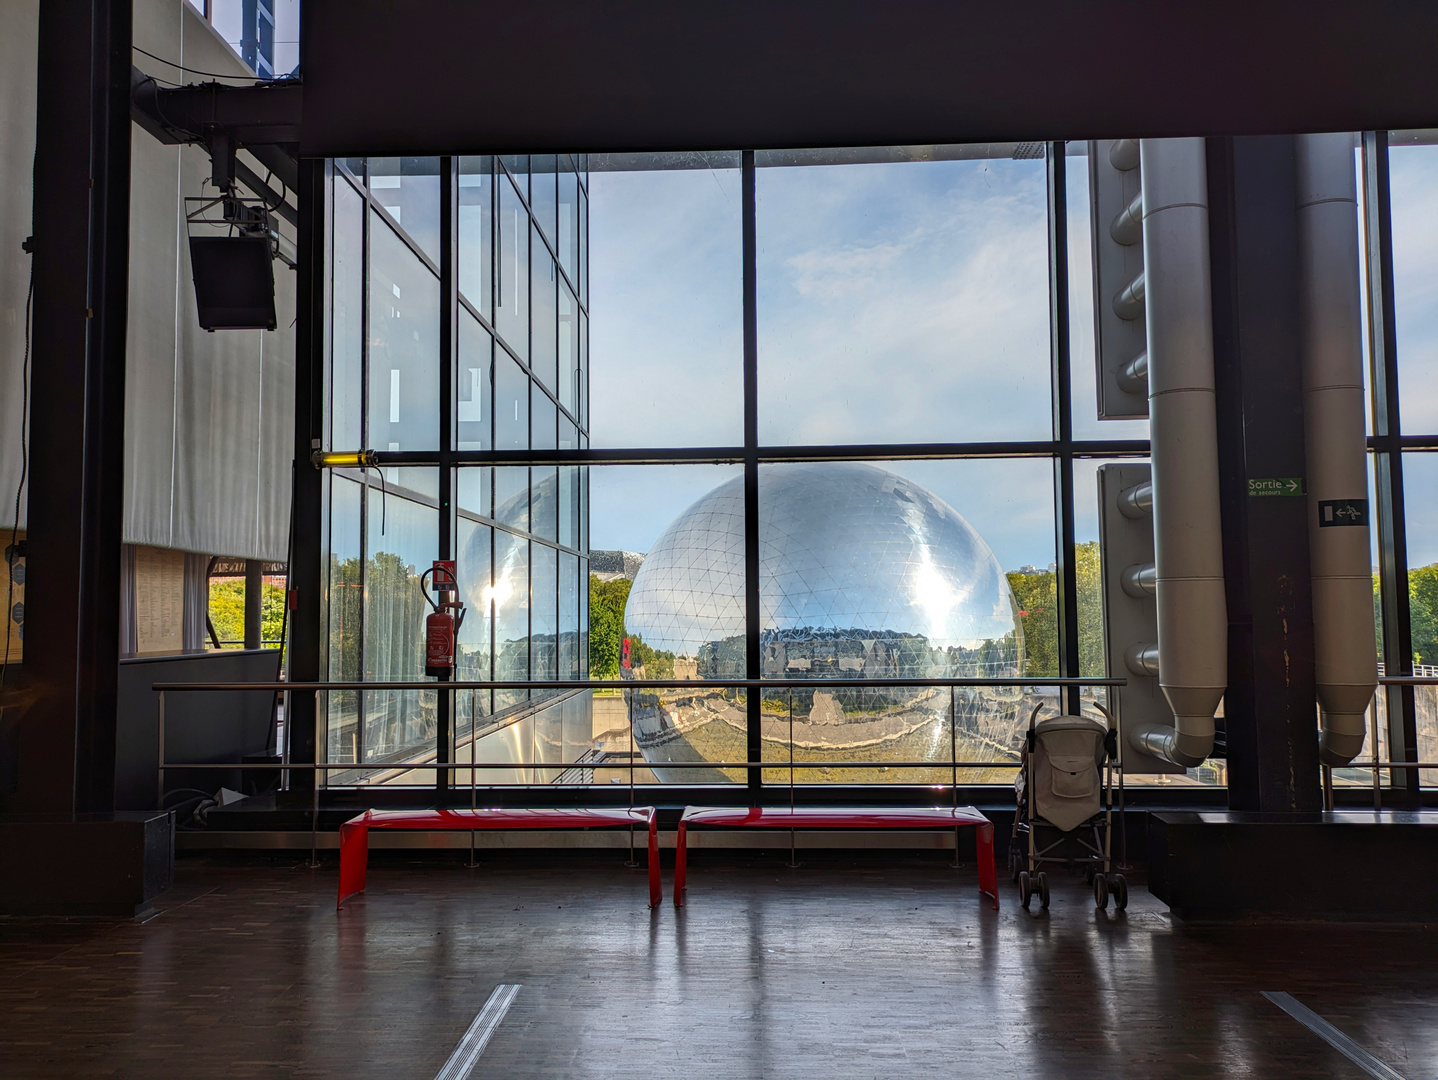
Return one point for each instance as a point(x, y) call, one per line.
point(895, 570)
point(518, 166)
point(568, 616)
point(347, 340)
point(544, 502)
point(512, 303)
point(583, 248)
point(511, 496)
point(408, 189)
point(667, 576)
point(1082, 341)
point(511, 615)
point(346, 625)
point(568, 350)
point(544, 612)
point(473, 555)
point(476, 232)
point(402, 538)
point(569, 505)
point(902, 300)
point(667, 335)
point(472, 490)
point(511, 404)
point(582, 380)
point(543, 198)
point(404, 346)
point(544, 357)
point(471, 391)
point(1413, 179)
point(568, 238)
point(544, 432)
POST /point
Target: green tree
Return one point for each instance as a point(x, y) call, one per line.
point(1037, 598)
point(607, 632)
point(1422, 612)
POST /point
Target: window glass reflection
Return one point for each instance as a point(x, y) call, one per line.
point(511, 496)
point(511, 403)
point(512, 302)
point(543, 300)
point(1413, 170)
point(404, 346)
point(567, 239)
point(568, 350)
point(902, 300)
point(544, 430)
point(473, 554)
point(476, 232)
point(347, 333)
point(471, 392)
point(408, 189)
point(543, 195)
point(511, 615)
point(544, 502)
point(345, 582)
point(544, 613)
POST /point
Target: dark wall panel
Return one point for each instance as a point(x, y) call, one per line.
point(441, 76)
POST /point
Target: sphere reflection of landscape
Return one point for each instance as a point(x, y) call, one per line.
point(863, 575)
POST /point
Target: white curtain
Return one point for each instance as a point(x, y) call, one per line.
point(193, 630)
point(209, 418)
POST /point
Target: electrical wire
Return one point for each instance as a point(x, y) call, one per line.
point(12, 553)
point(213, 74)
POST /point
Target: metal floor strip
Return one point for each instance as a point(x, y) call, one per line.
point(477, 1037)
point(1332, 1036)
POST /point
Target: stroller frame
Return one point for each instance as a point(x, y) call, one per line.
point(1093, 837)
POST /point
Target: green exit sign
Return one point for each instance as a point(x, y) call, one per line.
point(1276, 485)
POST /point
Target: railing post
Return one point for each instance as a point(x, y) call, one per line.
point(160, 755)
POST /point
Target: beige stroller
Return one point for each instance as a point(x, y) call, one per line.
point(1065, 806)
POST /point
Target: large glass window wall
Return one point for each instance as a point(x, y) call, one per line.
point(919, 322)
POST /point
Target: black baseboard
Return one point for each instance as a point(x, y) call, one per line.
point(1343, 865)
point(85, 865)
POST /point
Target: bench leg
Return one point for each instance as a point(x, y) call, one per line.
point(988, 872)
point(680, 859)
point(354, 860)
point(656, 893)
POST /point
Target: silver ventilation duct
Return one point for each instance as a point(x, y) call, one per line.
point(1192, 613)
point(1345, 652)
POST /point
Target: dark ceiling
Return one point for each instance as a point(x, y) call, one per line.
point(435, 76)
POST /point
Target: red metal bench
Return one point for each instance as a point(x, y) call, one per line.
point(354, 834)
point(838, 817)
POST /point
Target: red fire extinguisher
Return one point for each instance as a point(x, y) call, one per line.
point(441, 625)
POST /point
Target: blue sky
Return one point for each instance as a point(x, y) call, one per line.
point(898, 302)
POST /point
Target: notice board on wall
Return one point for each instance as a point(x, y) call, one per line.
point(159, 600)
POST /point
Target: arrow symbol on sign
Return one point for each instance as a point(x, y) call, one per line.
point(1293, 487)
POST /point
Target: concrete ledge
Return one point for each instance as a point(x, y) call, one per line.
point(85, 865)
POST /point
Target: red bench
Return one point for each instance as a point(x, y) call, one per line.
point(354, 834)
point(838, 817)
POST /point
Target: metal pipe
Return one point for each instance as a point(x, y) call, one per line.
point(1140, 580)
point(1127, 226)
point(1136, 503)
point(1128, 302)
point(1189, 586)
point(412, 766)
point(1124, 155)
point(1133, 376)
point(1142, 659)
point(1344, 643)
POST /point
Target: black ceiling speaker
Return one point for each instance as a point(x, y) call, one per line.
point(234, 282)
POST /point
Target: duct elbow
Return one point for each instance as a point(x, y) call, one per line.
point(1187, 744)
point(1341, 739)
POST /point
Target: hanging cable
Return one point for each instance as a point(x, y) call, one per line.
point(12, 553)
point(212, 74)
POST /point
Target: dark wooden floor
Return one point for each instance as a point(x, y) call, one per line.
point(885, 967)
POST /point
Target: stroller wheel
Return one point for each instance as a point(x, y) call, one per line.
point(1119, 887)
point(1025, 891)
point(1100, 892)
point(1043, 890)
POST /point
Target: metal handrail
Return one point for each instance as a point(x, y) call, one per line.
point(479, 766)
point(635, 684)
